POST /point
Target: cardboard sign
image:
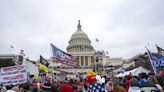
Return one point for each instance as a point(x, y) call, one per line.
point(13, 75)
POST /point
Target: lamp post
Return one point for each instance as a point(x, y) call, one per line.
point(95, 61)
point(95, 70)
point(98, 60)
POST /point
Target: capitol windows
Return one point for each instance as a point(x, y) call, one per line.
point(82, 62)
point(92, 59)
point(85, 48)
point(82, 48)
point(79, 48)
point(77, 59)
point(89, 49)
point(86, 60)
point(76, 48)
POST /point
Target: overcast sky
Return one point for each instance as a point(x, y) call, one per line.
point(123, 27)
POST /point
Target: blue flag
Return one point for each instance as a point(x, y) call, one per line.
point(63, 56)
point(157, 63)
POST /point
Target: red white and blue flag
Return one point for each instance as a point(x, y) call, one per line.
point(63, 57)
point(157, 62)
point(96, 87)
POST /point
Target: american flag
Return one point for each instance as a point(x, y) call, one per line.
point(11, 46)
point(96, 87)
point(152, 57)
point(156, 62)
point(97, 40)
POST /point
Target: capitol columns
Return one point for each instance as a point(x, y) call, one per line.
point(83, 60)
point(89, 60)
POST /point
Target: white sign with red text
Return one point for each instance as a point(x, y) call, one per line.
point(13, 75)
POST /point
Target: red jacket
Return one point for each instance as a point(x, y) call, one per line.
point(127, 85)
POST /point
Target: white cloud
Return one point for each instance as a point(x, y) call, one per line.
point(122, 27)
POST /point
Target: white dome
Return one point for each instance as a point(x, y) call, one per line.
point(79, 34)
point(80, 40)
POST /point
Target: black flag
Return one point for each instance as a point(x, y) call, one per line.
point(160, 50)
point(44, 61)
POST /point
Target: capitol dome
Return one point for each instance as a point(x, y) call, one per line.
point(79, 41)
point(79, 34)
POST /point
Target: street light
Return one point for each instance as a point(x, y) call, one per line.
point(95, 59)
point(98, 60)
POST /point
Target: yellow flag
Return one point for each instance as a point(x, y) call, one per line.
point(43, 67)
point(90, 72)
point(36, 76)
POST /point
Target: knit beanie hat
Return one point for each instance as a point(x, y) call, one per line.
point(66, 88)
point(134, 82)
point(90, 79)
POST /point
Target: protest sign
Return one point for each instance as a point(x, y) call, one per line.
point(13, 75)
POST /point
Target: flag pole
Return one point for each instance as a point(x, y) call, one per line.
point(151, 61)
point(95, 55)
point(10, 49)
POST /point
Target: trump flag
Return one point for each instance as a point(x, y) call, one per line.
point(157, 63)
point(63, 56)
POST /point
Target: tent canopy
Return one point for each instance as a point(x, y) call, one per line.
point(134, 72)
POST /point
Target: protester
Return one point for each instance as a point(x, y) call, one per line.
point(90, 83)
point(152, 79)
point(66, 88)
point(34, 86)
point(16, 88)
point(2, 88)
point(128, 82)
point(109, 86)
point(134, 85)
point(118, 88)
point(123, 81)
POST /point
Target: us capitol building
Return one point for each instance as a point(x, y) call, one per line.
point(80, 47)
point(86, 56)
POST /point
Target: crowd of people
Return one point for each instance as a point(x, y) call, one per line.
point(91, 83)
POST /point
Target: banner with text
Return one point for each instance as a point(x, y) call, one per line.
point(63, 56)
point(157, 63)
point(13, 75)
